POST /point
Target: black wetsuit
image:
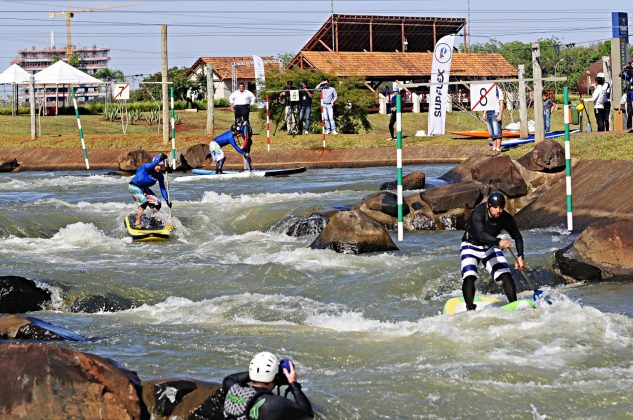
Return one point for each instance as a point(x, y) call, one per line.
point(482, 229)
point(275, 407)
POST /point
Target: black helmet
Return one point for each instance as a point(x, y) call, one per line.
point(496, 199)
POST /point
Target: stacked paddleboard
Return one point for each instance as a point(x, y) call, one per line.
point(456, 305)
point(151, 229)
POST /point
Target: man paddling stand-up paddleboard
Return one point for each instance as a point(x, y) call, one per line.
point(480, 244)
point(145, 177)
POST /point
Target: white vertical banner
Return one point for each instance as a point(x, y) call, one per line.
point(441, 70)
point(260, 80)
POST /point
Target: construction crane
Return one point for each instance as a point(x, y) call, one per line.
point(69, 13)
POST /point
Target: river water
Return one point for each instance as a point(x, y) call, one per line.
point(366, 332)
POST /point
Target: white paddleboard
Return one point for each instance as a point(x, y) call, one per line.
point(202, 174)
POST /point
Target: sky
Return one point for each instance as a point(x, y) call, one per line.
point(271, 27)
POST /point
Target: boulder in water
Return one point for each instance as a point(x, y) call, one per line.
point(29, 328)
point(96, 303)
point(453, 196)
point(134, 159)
point(311, 225)
point(10, 165)
point(412, 181)
point(195, 156)
point(183, 399)
point(500, 174)
point(385, 202)
point(19, 295)
point(547, 156)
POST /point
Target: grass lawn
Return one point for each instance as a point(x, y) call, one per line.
point(61, 132)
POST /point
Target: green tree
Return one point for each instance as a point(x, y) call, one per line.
point(110, 75)
point(152, 92)
point(286, 58)
point(73, 60)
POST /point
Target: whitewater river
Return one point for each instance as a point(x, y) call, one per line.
point(365, 331)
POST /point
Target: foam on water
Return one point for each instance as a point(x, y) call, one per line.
point(269, 198)
point(19, 184)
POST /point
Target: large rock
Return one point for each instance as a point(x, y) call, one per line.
point(413, 181)
point(133, 160)
point(195, 156)
point(601, 252)
point(49, 382)
point(352, 232)
point(19, 295)
point(385, 202)
point(180, 398)
point(96, 303)
point(547, 156)
point(9, 165)
point(420, 220)
point(311, 225)
point(380, 217)
point(453, 196)
point(26, 327)
point(500, 174)
point(463, 171)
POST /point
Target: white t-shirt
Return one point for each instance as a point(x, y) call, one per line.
point(599, 96)
point(242, 98)
point(500, 97)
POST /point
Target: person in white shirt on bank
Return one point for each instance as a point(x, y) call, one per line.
point(240, 102)
point(329, 97)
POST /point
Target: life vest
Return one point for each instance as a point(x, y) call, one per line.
point(241, 402)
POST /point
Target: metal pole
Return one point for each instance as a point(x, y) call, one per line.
point(165, 78)
point(172, 120)
point(210, 100)
point(539, 133)
point(32, 103)
point(523, 111)
point(267, 124)
point(399, 164)
point(81, 131)
point(570, 221)
point(323, 119)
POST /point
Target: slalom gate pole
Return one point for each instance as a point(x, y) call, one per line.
point(172, 121)
point(267, 123)
point(323, 120)
point(171, 222)
point(570, 220)
point(399, 164)
point(81, 131)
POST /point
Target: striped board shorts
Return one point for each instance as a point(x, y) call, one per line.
point(491, 256)
point(144, 197)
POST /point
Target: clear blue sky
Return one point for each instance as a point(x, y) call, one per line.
point(270, 27)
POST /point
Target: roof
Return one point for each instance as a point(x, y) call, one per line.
point(14, 74)
point(222, 66)
point(62, 73)
point(382, 33)
point(401, 65)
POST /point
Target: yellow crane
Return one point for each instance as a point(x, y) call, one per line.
point(69, 13)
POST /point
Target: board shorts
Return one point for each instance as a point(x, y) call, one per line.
point(216, 151)
point(491, 256)
point(144, 196)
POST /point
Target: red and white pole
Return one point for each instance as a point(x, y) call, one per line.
point(322, 119)
point(267, 124)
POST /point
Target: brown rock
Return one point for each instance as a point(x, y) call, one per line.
point(133, 160)
point(547, 156)
point(452, 196)
point(10, 165)
point(500, 174)
point(454, 219)
point(413, 181)
point(463, 171)
point(46, 381)
point(27, 327)
point(378, 216)
point(195, 156)
point(420, 220)
point(385, 202)
point(181, 398)
point(351, 232)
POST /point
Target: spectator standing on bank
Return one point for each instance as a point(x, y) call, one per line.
point(291, 107)
point(600, 98)
point(305, 102)
point(549, 106)
point(240, 103)
point(329, 97)
point(494, 118)
point(392, 106)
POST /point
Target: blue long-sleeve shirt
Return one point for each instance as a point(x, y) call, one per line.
point(227, 138)
point(146, 176)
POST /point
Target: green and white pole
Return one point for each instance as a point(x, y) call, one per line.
point(570, 220)
point(399, 164)
point(172, 121)
point(81, 131)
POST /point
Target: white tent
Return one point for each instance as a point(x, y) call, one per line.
point(14, 75)
point(62, 73)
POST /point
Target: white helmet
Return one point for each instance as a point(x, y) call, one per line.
point(263, 367)
point(600, 75)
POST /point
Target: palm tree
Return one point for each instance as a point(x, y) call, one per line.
point(109, 75)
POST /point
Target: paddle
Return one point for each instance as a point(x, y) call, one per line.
point(537, 292)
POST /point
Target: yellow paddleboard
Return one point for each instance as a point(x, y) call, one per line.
point(150, 229)
point(456, 304)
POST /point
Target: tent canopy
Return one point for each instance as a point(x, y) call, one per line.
point(62, 73)
point(14, 75)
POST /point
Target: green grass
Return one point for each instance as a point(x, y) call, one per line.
point(61, 132)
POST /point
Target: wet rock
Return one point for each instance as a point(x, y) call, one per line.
point(454, 219)
point(500, 174)
point(385, 202)
point(41, 381)
point(183, 399)
point(311, 225)
point(547, 156)
point(30, 328)
point(95, 303)
point(463, 171)
point(195, 156)
point(413, 181)
point(10, 165)
point(601, 252)
point(133, 160)
point(380, 217)
point(419, 220)
point(19, 295)
point(452, 196)
point(352, 232)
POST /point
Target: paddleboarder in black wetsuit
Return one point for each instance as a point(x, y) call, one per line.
point(249, 394)
point(480, 244)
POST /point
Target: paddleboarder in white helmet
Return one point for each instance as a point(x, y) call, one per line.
point(480, 244)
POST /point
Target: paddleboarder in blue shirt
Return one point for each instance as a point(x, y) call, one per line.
point(480, 244)
point(145, 177)
point(228, 137)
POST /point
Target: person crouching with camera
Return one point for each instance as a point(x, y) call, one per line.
point(249, 395)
